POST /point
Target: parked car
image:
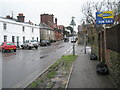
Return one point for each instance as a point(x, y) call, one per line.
point(66, 39)
point(28, 44)
point(5, 46)
point(45, 43)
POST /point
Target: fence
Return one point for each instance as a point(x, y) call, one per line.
point(113, 38)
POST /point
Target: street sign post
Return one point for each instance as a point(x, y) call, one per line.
point(105, 17)
point(73, 24)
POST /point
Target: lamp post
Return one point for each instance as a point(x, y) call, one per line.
point(73, 24)
point(85, 41)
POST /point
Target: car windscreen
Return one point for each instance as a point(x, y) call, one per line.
point(2, 44)
point(33, 41)
point(10, 44)
point(43, 41)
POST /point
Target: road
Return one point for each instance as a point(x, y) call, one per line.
point(22, 67)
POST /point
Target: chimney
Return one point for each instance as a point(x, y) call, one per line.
point(55, 20)
point(8, 17)
point(51, 18)
point(20, 17)
point(44, 18)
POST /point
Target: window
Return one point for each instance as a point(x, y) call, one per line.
point(5, 38)
point(32, 38)
point(4, 26)
point(10, 44)
point(32, 30)
point(23, 29)
point(49, 31)
point(13, 38)
point(37, 39)
point(23, 39)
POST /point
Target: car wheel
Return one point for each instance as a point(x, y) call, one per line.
point(36, 47)
point(29, 47)
point(3, 50)
point(14, 50)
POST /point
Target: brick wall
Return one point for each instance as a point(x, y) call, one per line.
point(113, 62)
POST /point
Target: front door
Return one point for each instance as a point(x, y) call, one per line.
point(17, 41)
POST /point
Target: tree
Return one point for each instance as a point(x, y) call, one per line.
point(90, 8)
point(69, 28)
point(65, 33)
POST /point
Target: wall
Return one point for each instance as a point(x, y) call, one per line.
point(113, 62)
point(94, 44)
point(112, 53)
point(47, 34)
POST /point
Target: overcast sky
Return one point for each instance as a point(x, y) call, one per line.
point(63, 10)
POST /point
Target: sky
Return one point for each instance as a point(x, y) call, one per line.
point(63, 10)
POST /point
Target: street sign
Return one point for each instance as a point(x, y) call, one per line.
point(72, 23)
point(105, 17)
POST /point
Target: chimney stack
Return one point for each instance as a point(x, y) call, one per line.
point(55, 20)
point(20, 17)
point(8, 17)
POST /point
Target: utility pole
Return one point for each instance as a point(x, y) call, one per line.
point(73, 24)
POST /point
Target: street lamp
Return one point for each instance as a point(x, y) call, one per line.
point(73, 24)
point(85, 41)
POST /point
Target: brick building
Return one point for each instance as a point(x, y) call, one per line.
point(48, 19)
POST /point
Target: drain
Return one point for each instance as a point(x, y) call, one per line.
point(43, 56)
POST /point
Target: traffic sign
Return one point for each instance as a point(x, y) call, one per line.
point(105, 17)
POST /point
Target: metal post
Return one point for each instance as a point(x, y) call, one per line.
point(85, 43)
point(73, 24)
point(73, 42)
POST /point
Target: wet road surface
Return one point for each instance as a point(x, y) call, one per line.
point(22, 67)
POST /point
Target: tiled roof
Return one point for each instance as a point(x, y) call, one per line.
point(45, 26)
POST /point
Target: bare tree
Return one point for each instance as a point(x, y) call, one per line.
point(89, 9)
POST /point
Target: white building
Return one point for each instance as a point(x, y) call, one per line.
point(17, 32)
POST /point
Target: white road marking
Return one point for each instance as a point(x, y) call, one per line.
point(71, 51)
point(68, 50)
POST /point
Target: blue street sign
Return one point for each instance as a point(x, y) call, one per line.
point(105, 17)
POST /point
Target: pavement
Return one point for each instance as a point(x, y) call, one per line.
point(84, 72)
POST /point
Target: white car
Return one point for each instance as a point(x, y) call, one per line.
point(30, 44)
point(73, 40)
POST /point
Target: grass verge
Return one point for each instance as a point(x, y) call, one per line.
point(57, 75)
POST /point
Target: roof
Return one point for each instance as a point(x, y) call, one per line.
point(14, 21)
point(45, 26)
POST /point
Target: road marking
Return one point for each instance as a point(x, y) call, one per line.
point(68, 50)
point(25, 80)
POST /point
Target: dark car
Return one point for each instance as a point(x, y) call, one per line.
point(5, 46)
point(66, 39)
point(45, 43)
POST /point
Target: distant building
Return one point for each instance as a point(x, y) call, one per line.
point(17, 31)
point(48, 19)
point(46, 32)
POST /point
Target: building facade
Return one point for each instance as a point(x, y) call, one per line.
point(13, 31)
point(48, 19)
point(46, 32)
